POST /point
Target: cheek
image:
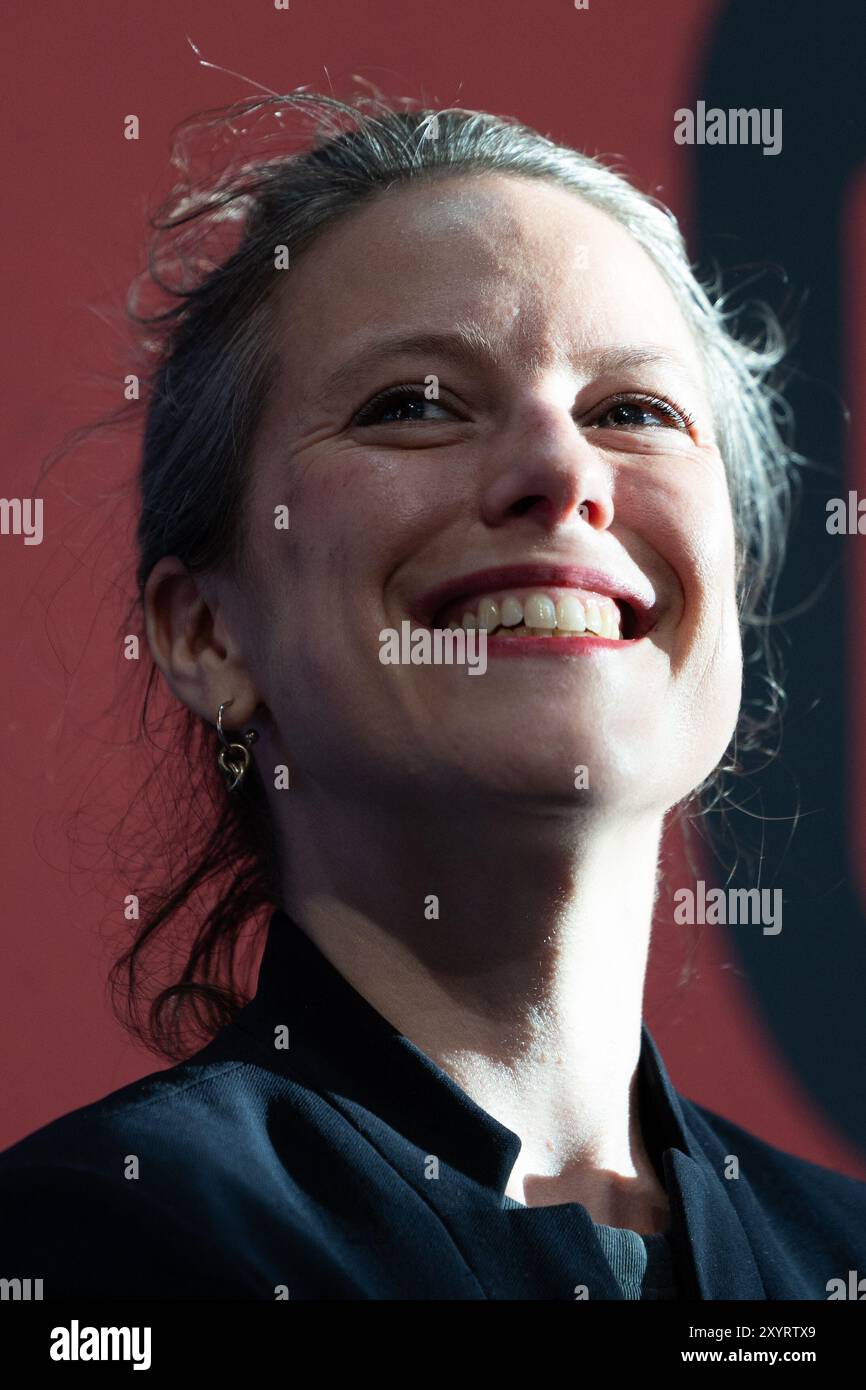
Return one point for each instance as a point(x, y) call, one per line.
point(686, 516)
point(711, 558)
point(318, 588)
point(713, 659)
point(709, 656)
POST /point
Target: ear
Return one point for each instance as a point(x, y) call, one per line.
point(192, 645)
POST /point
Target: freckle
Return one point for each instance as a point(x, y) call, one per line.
point(550, 1145)
point(543, 1057)
point(559, 1062)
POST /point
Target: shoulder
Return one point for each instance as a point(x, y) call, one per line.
point(204, 1108)
point(150, 1109)
point(770, 1165)
point(154, 1190)
point(797, 1194)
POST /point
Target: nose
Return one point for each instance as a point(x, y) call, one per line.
point(548, 470)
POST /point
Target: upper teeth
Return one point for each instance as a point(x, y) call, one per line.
point(543, 613)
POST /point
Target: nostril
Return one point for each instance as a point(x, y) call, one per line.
point(524, 504)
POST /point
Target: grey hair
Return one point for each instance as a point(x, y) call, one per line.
point(209, 360)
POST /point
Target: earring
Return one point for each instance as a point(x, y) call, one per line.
point(234, 758)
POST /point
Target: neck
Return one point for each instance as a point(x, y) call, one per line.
point(513, 953)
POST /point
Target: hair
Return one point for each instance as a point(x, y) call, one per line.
point(207, 367)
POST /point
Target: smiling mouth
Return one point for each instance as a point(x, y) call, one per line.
point(551, 613)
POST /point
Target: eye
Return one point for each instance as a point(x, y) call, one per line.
point(402, 403)
point(640, 412)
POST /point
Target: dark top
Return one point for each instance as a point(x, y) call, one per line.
point(349, 1165)
point(640, 1264)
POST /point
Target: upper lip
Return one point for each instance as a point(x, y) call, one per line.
point(638, 597)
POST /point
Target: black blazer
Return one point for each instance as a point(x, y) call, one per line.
point(348, 1165)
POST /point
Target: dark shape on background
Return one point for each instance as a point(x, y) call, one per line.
point(786, 211)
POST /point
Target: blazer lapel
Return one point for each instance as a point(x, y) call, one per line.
point(707, 1234)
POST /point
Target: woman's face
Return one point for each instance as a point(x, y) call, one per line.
point(547, 446)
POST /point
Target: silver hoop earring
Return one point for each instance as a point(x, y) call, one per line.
point(233, 758)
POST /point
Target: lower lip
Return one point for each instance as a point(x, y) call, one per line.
point(556, 646)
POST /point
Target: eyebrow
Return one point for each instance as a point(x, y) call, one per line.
point(467, 344)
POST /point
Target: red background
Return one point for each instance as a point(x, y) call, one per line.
point(606, 80)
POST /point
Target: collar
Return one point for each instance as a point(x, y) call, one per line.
point(340, 1045)
point(339, 1042)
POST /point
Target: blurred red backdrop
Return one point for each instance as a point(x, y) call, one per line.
point(607, 80)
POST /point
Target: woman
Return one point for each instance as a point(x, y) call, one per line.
point(451, 376)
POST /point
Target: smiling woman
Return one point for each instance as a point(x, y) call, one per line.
point(492, 395)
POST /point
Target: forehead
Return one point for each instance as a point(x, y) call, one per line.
point(543, 274)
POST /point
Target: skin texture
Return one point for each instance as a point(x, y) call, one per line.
point(411, 781)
